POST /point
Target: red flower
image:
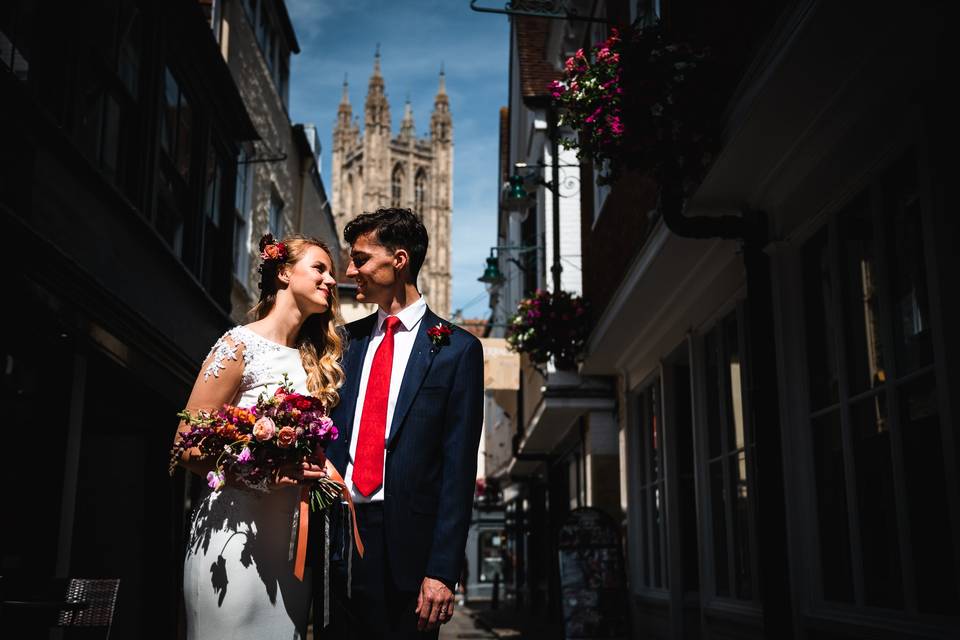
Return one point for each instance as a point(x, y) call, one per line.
point(440, 334)
point(439, 331)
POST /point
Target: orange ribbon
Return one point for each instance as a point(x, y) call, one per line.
point(301, 556)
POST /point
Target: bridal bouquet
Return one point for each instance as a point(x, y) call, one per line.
point(253, 443)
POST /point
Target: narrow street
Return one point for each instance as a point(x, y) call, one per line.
point(465, 625)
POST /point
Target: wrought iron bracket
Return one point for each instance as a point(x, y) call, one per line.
point(550, 9)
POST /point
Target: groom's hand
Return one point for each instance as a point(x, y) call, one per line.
point(434, 604)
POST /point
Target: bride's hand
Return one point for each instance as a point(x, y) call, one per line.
point(299, 473)
point(311, 471)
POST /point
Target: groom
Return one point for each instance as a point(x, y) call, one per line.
point(410, 415)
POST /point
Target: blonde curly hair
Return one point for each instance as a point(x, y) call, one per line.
point(319, 341)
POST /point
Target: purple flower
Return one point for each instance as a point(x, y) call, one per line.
point(215, 480)
point(245, 456)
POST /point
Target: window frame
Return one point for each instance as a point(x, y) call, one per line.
point(645, 485)
point(273, 46)
point(397, 178)
point(872, 190)
point(243, 211)
point(420, 182)
point(704, 458)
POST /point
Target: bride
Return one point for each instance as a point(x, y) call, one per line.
point(238, 577)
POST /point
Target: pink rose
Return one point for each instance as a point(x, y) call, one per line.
point(263, 429)
point(287, 437)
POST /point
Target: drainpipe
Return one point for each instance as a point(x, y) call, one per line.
point(554, 134)
point(751, 228)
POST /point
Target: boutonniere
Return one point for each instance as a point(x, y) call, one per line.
point(440, 335)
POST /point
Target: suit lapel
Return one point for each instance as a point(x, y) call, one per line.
point(421, 357)
point(352, 369)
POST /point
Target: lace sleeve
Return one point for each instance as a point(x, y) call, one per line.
point(220, 374)
point(217, 384)
point(223, 350)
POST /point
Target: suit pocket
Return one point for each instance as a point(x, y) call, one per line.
point(421, 503)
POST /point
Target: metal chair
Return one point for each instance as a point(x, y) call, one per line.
point(32, 605)
point(99, 598)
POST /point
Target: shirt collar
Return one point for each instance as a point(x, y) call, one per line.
point(409, 316)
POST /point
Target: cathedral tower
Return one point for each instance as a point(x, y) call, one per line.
point(375, 169)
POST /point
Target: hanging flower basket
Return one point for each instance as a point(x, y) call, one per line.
point(549, 326)
point(639, 101)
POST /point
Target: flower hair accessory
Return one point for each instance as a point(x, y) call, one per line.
point(271, 250)
point(272, 254)
point(440, 335)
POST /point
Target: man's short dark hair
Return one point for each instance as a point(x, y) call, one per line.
point(395, 229)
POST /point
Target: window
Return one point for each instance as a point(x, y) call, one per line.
point(263, 28)
point(491, 547)
point(211, 260)
point(648, 11)
point(600, 191)
point(276, 214)
point(882, 495)
point(169, 218)
point(273, 46)
point(349, 197)
point(213, 179)
point(176, 125)
point(396, 186)
point(243, 212)
point(576, 472)
point(283, 85)
point(678, 403)
point(16, 19)
point(729, 464)
point(653, 505)
point(420, 193)
point(106, 118)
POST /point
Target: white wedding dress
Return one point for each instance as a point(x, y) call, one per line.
point(238, 580)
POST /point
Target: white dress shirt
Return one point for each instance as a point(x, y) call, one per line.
point(403, 338)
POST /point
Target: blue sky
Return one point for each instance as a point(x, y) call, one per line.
point(415, 36)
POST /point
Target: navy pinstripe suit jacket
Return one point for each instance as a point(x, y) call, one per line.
point(431, 460)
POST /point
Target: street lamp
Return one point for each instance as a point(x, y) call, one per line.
point(491, 275)
point(516, 197)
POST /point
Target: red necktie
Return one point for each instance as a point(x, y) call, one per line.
point(368, 459)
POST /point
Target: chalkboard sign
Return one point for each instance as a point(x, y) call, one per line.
point(592, 580)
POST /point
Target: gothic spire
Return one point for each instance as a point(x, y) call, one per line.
point(344, 115)
point(406, 126)
point(377, 108)
point(440, 120)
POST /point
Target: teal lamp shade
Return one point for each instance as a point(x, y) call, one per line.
point(491, 275)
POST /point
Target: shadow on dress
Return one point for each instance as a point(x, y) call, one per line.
point(264, 524)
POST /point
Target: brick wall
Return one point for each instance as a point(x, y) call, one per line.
point(610, 245)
